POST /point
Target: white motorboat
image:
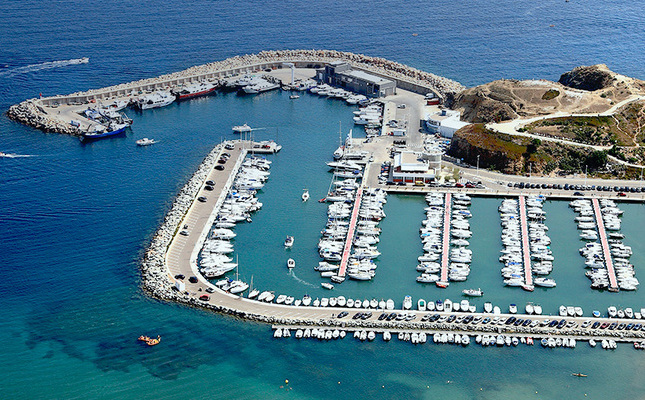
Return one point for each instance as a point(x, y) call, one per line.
point(155, 100)
point(145, 142)
point(305, 195)
point(291, 263)
point(242, 129)
point(407, 302)
point(327, 285)
point(544, 282)
point(473, 292)
point(260, 86)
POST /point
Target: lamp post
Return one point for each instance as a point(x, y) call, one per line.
point(478, 167)
point(530, 165)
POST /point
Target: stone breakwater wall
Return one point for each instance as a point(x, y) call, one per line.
point(156, 278)
point(31, 112)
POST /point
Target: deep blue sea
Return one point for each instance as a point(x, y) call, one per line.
point(76, 218)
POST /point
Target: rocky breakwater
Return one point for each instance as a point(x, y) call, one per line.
point(30, 113)
point(156, 279)
point(34, 113)
point(443, 86)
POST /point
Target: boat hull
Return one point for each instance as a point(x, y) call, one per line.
point(115, 132)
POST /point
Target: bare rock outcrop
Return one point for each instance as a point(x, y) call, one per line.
point(590, 78)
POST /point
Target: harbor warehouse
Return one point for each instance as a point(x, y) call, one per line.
point(342, 75)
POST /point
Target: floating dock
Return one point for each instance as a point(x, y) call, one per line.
point(350, 232)
point(526, 250)
point(445, 239)
point(613, 283)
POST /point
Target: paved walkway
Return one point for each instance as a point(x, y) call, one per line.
point(350, 232)
point(526, 250)
point(511, 127)
point(445, 239)
point(613, 284)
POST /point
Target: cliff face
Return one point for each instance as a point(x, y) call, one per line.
point(503, 153)
point(514, 154)
point(590, 78)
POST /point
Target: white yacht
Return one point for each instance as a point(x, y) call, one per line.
point(260, 86)
point(155, 100)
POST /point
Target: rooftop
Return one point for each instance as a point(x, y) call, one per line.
point(365, 77)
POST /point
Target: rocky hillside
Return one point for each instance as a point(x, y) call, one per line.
point(513, 154)
point(592, 89)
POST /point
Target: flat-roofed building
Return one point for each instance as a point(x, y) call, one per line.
point(409, 167)
point(342, 75)
point(445, 123)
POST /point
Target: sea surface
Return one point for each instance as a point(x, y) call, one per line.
point(75, 219)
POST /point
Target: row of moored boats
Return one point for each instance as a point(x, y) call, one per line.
point(437, 238)
point(593, 250)
point(540, 255)
point(240, 203)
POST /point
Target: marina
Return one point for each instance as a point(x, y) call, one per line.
point(87, 224)
point(328, 311)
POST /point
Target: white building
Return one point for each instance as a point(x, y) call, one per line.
point(445, 123)
point(408, 167)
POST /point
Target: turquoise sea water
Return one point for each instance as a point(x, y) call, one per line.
point(76, 218)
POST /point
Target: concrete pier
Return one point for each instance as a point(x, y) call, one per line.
point(526, 250)
point(445, 239)
point(350, 232)
point(613, 283)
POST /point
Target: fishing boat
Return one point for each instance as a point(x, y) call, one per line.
point(291, 263)
point(101, 131)
point(195, 90)
point(305, 195)
point(288, 243)
point(473, 292)
point(145, 142)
